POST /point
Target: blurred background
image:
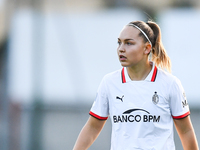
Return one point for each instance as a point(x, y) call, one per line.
point(54, 53)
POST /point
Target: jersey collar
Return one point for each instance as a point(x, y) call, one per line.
point(151, 76)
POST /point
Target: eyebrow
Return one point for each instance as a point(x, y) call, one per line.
point(127, 39)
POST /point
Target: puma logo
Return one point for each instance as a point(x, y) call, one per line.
point(120, 98)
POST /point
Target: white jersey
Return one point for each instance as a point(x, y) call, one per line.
point(141, 112)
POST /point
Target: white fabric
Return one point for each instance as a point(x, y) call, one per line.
point(146, 125)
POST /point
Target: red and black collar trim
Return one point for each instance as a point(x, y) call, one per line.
point(123, 76)
point(153, 78)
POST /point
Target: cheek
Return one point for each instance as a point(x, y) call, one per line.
point(117, 51)
point(117, 48)
point(136, 55)
point(135, 52)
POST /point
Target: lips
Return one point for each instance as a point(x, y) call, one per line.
point(122, 57)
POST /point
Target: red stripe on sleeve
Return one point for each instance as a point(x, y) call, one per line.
point(182, 116)
point(97, 116)
point(154, 74)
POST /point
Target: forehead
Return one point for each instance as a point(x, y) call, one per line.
point(129, 32)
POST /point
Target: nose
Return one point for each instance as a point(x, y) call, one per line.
point(121, 48)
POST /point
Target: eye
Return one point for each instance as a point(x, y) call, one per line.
point(129, 43)
point(119, 42)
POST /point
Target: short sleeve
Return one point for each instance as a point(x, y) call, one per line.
point(178, 101)
point(100, 107)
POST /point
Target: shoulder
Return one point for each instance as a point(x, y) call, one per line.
point(166, 77)
point(170, 83)
point(113, 76)
point(111, 79)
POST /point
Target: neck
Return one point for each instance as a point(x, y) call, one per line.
point(139, 71)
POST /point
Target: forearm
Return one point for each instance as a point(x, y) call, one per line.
point(189, 140)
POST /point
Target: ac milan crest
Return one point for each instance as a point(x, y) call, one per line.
point(155, 98)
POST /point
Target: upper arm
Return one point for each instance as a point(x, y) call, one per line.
point(186, 133)
point(177, 100)
point(89, 133)
point(95, 123)
point(100, 107)
point(183, 125)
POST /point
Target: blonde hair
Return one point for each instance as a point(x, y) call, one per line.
point(158, 53)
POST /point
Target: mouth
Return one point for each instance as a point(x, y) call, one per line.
point(122, 57)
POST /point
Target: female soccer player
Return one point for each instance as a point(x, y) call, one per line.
point(142, 99)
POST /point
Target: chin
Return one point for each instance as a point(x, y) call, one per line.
point(124, 64)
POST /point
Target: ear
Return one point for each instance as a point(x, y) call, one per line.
point(147, 49)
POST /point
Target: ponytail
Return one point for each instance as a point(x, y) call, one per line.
point(159, 55)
